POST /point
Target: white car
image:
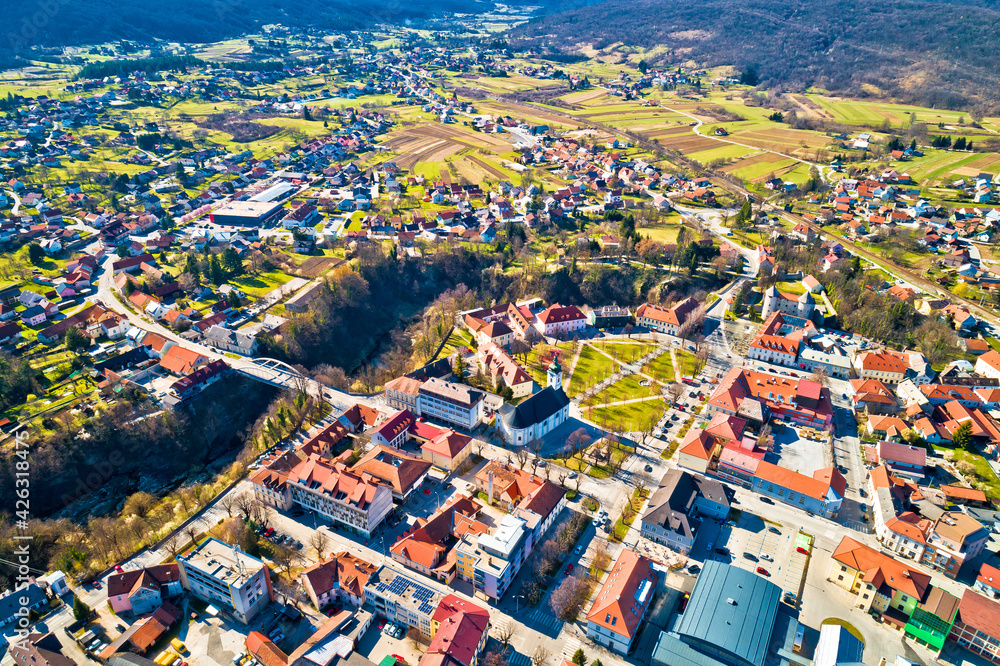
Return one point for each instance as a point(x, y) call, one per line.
point(766, 557)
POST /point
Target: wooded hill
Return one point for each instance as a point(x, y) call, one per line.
point(937, 53)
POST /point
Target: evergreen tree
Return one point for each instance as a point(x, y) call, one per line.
point(231, 261)
point(216, 274)
point(962, 438)
point(191, 266)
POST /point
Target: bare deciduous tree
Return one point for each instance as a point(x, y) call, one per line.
point(319, 542)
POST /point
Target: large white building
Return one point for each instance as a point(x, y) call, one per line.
point(537, 415)
point(222, 574)
point(452, 402)
point(775, 301)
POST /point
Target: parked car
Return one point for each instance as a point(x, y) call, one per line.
point(569, 568)
point(767, 500)
point(648, 468)
point(749, 556)
point(773, 530)
point(762, 571)
point(722, 551)
point(766, 557)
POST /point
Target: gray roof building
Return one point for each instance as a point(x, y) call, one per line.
point(731, 619)
point(672, 505)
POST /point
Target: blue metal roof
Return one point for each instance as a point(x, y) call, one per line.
point(733, 610)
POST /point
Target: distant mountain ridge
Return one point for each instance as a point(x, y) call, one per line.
point(939, 53)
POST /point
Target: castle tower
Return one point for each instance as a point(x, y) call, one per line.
point(554, 375)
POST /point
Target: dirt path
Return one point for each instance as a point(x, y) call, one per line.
point(445, 176)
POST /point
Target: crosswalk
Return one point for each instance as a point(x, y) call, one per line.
point(572, 645)
point(518, 659)
point(544, 618)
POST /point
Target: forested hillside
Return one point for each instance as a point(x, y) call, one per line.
point(938, 53)
point(95, 21)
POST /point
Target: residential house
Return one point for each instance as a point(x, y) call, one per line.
point(141, 591)
point(338, 579)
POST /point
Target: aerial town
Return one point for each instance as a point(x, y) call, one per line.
point(391, 348)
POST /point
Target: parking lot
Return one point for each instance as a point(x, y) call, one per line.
point(376, 645)
point(755, 543)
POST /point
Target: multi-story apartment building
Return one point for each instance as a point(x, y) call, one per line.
point(222, 574)
point(494, 559)
point(402, 599)
point(954, 538)
point(357, 502)
point(451, 402)
point(622, 602)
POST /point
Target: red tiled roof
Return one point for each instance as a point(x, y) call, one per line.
point(880, 569)
point(619, 606)
point(980, 613)
point(264, 650)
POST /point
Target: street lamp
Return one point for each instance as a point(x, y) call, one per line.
point(517, 604)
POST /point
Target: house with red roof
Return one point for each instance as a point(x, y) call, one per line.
point(622, 602)
point(393, 431)
point(881, 584)
point(429, 546)
point(873, 396)
point(988, 581)
point(401, 472)
point(338, 579)
point(141, 591)
point(977, 626)
point(461, 630)
point(756, 396)
point(265, 652)
point(561, 321)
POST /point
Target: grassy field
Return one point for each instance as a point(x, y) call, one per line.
point(258, 285)
point(626, 388)
point(689, 363)
point(591, 367)
point(660, 368)
point(635, 416)
point(627, 352)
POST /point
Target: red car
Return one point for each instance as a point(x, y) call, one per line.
point(427, 491)
point(399, 660)
point(118, 568)
point(802, 550)
point(762, 571)
point(569, 568)
point(97, 584)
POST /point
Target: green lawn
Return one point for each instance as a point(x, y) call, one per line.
point(626, 388)
point(258, 285)
point(627, 352)
point(634, 417)
point(458, 338)
point(689, 363)
point(660, 368)
point(983, 470)
point(591, 367)
point(537, 361)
